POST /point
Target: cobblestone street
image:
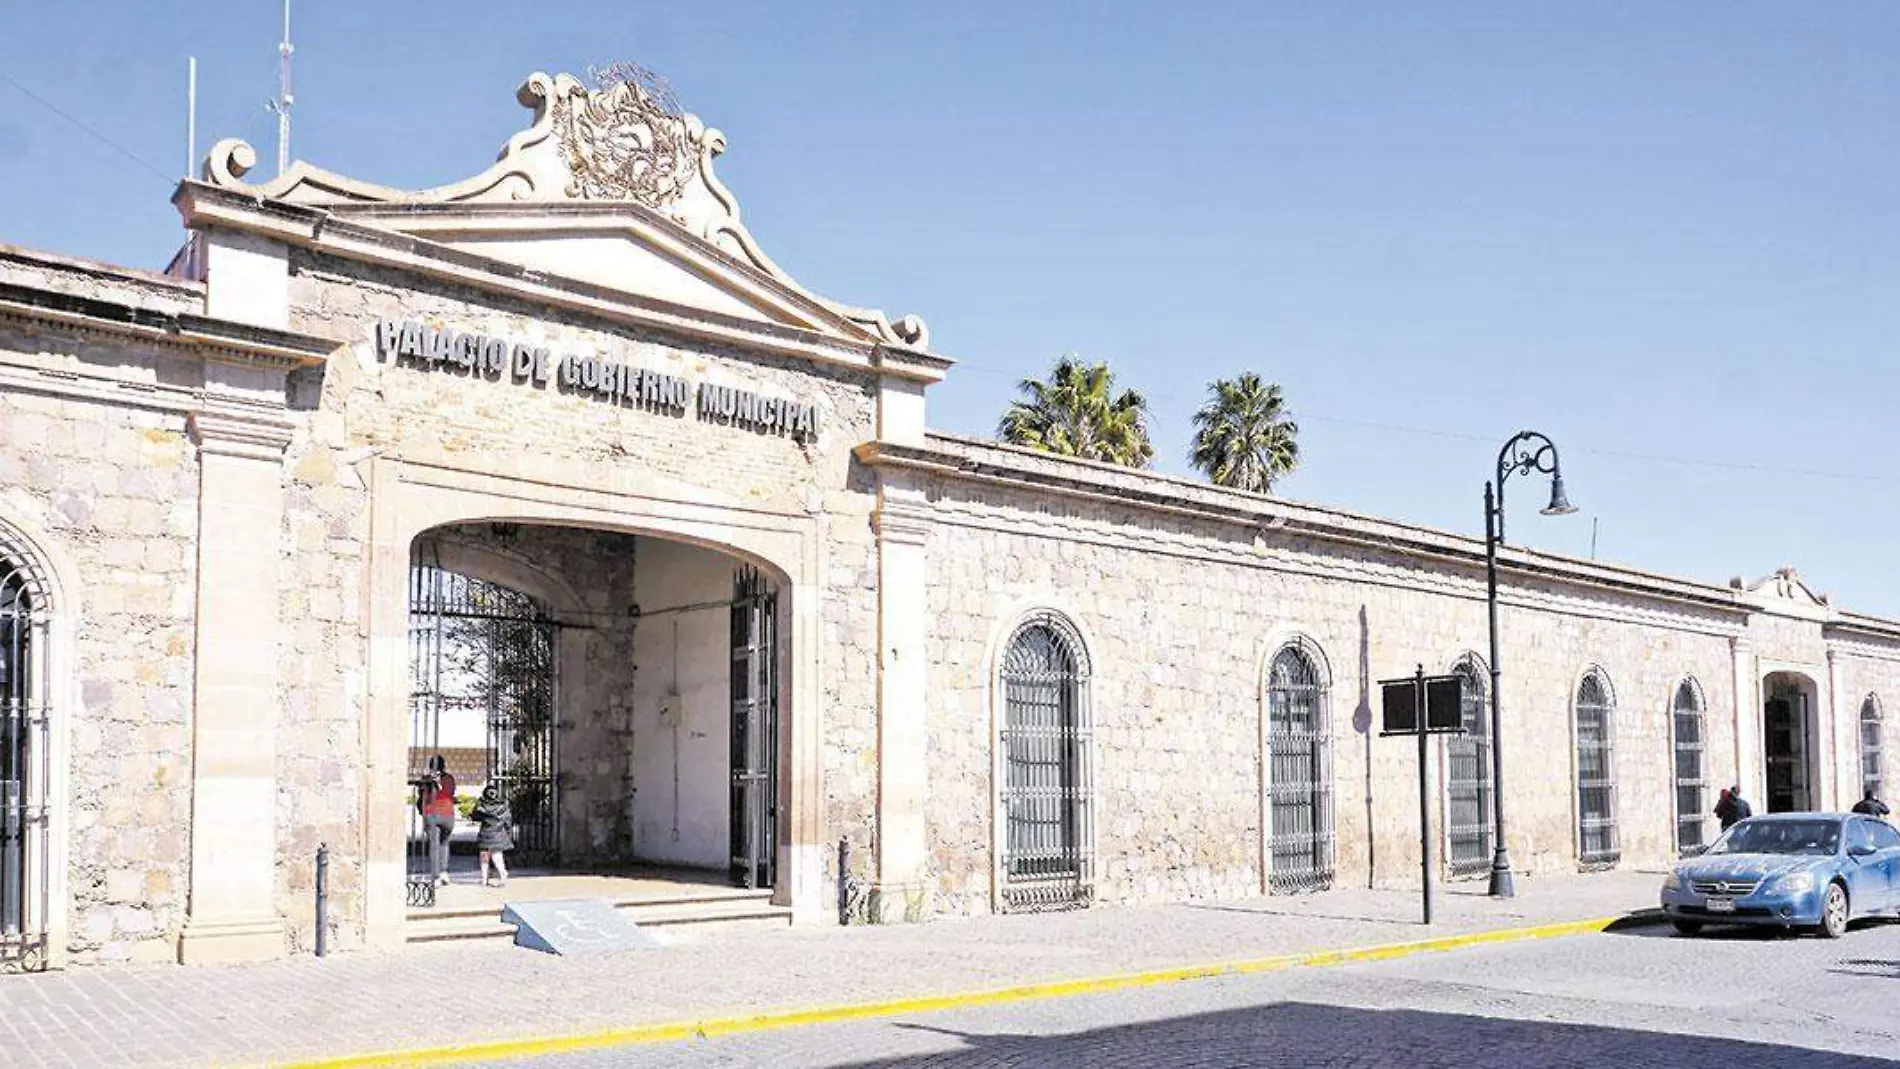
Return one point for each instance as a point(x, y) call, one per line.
point(1631, 999)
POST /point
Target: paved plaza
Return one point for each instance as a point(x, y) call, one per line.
point(1629, 999)
point(278, 1012)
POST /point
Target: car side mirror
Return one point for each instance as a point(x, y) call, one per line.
point(1860, 851)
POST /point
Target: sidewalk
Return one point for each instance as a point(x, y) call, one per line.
point(448, 994)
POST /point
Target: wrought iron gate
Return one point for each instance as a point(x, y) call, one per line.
point(1045, 790)
point(1300, 778)
point(754, 810)
point(1468, 780)
point(482, 654)
point(23, 778)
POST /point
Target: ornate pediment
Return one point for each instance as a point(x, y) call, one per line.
point(1786, 586)
point(596, 164)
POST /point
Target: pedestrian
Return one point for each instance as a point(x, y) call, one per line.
point(1871, 805)
point(435, 798)
point(497, 834)
point(1732, 808)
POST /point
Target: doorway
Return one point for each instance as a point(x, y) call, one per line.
point(1788, 705)
point(619, 692)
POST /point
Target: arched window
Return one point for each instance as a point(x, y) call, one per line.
point(1299, 773)
point(1870, 746)
point(1468, 778)
point(1597, 842)
point(22, 771)
point(1045, 775)
point(1692, 773)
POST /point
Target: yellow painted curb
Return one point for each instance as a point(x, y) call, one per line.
point(497, 1050)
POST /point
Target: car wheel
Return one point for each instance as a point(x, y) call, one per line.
point(1687, 927)
point(1834, 912)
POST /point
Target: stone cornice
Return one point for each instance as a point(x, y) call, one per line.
point(232, 431)
point(332, 234)
point(1858, 629)
point(988, 464)
point(213, 339)
point(901, 526)
point(110, 274)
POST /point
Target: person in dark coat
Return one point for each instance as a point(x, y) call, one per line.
point(497, 833)
point(1733, 808)
point(1871, 805)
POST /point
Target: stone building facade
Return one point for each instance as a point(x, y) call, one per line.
point(773, 609)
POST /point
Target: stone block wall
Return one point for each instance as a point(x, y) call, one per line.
point(1868, 671)
point(323, 669)
point(113, 488)
point(1181, 617)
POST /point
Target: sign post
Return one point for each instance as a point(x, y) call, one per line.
point(1424, 805)
point(1423, 705)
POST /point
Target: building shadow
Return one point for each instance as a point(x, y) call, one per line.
point(1735, 933)
point(1877, 967)
point(1304, 1034)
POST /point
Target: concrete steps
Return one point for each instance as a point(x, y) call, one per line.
point(691, 914)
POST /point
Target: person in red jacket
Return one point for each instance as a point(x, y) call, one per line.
point(435, 796)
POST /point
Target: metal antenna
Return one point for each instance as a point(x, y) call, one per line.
point(191, 117)
point(281, 105)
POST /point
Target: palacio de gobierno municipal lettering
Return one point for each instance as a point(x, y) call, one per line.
point(555, 473)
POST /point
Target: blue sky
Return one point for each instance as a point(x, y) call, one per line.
point(1663, 234)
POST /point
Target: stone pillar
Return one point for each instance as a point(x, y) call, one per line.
point(902, 754)
point(386, 719)
point(1748, 756)
point(232, 914)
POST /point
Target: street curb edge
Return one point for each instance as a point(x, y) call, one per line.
point(668, 1032)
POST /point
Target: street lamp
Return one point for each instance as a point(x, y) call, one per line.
point(1526, 452)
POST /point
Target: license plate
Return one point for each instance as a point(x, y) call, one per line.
point(1720, 905)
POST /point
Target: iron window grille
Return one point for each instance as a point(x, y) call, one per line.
point(25, 772)
point(1597, 841)
point(1300, 775)
point(1870, 746)
point(1047, 860)
point(1468, 778)
point(1692, 784)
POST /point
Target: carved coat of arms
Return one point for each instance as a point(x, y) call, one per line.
point(627, 139)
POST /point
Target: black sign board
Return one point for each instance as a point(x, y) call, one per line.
point(1444, 704)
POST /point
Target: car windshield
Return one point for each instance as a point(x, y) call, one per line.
point(1819, 837)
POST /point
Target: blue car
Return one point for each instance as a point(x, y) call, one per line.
point(1789, 870)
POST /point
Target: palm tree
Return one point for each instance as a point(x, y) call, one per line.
point(1078, 413)
point(1243, 438)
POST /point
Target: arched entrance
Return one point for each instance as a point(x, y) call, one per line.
point(619, 693)
point(1789, 702)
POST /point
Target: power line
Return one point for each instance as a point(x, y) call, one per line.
point(102, 139)
point(1434, 432)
